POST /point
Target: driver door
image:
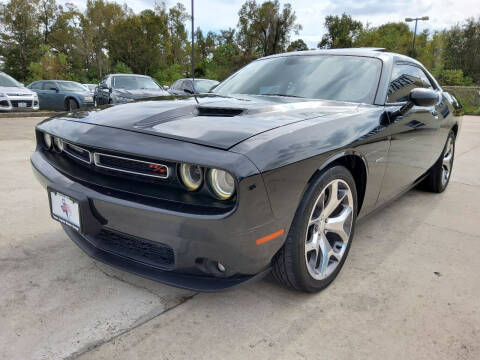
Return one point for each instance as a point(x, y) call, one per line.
point(51, 97)
point(413, 135)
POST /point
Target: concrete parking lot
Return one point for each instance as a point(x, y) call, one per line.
point(410, 288)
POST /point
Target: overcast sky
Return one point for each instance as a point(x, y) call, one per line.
point(220, 14)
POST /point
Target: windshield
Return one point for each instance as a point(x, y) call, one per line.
point(71, 86)
point(90, 87)
point(329, 77)
point(8, 81)
point(134, 83)
point(203, 86)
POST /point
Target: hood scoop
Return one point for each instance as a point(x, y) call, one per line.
point(213, 111)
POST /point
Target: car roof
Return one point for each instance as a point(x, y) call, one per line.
point(379, 53)
point(129, 75)
point(198, 79)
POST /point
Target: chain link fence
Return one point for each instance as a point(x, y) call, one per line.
point(468, 96)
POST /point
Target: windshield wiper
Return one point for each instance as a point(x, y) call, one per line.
point(285, 95)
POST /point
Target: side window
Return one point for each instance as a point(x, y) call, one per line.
point(404, 79)
point(175, 85)
point(187, 84)
point(49, 85)
point(36, 86)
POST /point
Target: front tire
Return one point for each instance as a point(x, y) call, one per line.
point(439, 176)
point(321, 233)
point(71, 104)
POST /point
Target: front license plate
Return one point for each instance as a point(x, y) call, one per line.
point(20, 104)
point(65, 209)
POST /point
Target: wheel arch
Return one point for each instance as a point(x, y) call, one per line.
point(353, 162)
point(455, 129)
point(70, 97)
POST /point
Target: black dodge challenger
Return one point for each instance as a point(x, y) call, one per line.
point(268, 173)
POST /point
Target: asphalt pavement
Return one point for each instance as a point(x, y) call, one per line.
point(410, 287)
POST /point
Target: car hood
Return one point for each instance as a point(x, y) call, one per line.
point(140, 93)
point(15, 90)
point(220, 122)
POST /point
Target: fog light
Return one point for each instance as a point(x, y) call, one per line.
point(221, 267)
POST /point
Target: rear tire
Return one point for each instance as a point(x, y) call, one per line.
point(439, 175)
point(321, 233)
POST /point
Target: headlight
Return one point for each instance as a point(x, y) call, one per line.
point(47, 139)
point(191, 176)
point(58, 144)
point(2, 95)
point(88, 99)
point(222, 183)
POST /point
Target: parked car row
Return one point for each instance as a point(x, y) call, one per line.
point(71, 95)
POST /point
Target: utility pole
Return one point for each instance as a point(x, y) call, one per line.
point(423, 18)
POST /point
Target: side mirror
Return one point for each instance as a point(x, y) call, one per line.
point(417, 97)
point(188, 91)
point(423, 97)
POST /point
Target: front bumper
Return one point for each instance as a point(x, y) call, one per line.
point(193, 239)
point(19, 103)
point(87, 104)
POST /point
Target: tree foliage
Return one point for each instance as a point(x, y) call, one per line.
point(43, 39)
point(341, 32)
point(297, 45)
point(265, 29)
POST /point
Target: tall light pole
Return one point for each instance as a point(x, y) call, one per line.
point(193, 50)
point(423, 18)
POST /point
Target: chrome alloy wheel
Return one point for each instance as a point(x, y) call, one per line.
point(329, 229)
point(447, 161)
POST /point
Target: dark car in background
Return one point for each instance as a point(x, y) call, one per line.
point(61, 95)
point(270, 172)
point(124, 88)
point(190, 86)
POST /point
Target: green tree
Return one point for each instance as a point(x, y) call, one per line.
point(342, 31)
point(139, 41)
point(297, 45)
point(48, 13)
point(462, 48)
point(121, 68)
point(52, 65)
point(97, 24)
point(265, 29)
point(20, 37)
point(395, 37)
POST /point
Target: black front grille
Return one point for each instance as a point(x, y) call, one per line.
point(142, 250)
point(28, 103)
point(77, 152)
point(128, 165)
point(4, 103)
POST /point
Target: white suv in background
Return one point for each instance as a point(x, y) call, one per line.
point(15, 96)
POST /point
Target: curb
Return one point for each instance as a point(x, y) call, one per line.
point(9, 115)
